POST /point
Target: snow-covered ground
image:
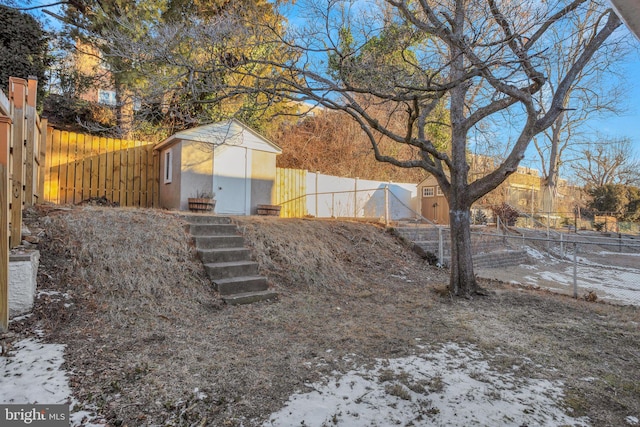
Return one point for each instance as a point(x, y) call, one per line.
point(32, 374)
point(453, 386)
point(610, 282)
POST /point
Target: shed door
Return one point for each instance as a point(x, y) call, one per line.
point(231, 181)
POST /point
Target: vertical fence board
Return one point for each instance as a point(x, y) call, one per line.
point(95, 167)
point(115, 178)
point(142, 181)
point(5, 142)
point(131, 174)
point(136, 176)
point(42, 157)
point(124, 154)
point(155, 176)
point(18, 88)
point(101, 184)
point(86, 168)
point(75, 170)
point(52, 183)
point(64, 165)
point(109, 171)
point(31, 145)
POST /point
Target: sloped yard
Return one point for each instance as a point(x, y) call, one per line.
point(359, 317)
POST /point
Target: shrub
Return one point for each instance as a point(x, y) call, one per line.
point(507, 214)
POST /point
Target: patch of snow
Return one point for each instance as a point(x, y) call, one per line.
point(454, 386)
point(53, 294)
point(618, 253)
point(20, 318)
point(534, 253)
point(632, 421)
point(33, 374)
point(555, 277)
point(200, 395)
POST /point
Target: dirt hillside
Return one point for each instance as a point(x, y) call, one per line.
point(149, 342)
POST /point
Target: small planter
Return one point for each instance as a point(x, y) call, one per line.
point(201, 204)
point(271, 210)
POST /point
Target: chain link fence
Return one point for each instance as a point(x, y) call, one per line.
point(586, 265)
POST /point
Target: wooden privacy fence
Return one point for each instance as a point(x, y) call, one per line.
point(80, 167)
point(22, 139)
point(291, 191)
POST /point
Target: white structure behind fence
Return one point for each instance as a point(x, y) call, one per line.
point(333, 196)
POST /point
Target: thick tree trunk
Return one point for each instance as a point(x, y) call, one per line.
point(462, 280)
point(549, 192)
point(124, 111)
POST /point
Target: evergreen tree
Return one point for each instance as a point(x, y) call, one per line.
point(24, 49)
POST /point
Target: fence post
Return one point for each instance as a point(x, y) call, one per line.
point(355, 198)
point(548, 234)
point(17, 89)
point(5, 135)
point(440, 247)
point(317, 174)
point(333, 204)
point(619, 242)
point(386, 205)
point(575, 270)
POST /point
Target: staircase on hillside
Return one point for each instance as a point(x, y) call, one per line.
point(488, 251)
point(227, 261)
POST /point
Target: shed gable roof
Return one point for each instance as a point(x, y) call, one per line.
point(230, 132)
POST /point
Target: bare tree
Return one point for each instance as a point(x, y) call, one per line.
point(608, 162)
point(593, 93)
point(476, 58)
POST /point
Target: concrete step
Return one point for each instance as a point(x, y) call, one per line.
point(225, 270)
point(242, 284)
point(218, 242)
point(209, 256)
point(249, 297)
point(226, 260)
point(205, 219)
point(213, 229)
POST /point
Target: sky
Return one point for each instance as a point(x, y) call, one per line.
point(627, 124)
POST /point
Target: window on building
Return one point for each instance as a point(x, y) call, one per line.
point(439, 191)
point(428, 191)
point(107, 97)
point(168, 168)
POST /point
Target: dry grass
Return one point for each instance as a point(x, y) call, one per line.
point(147, 336)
